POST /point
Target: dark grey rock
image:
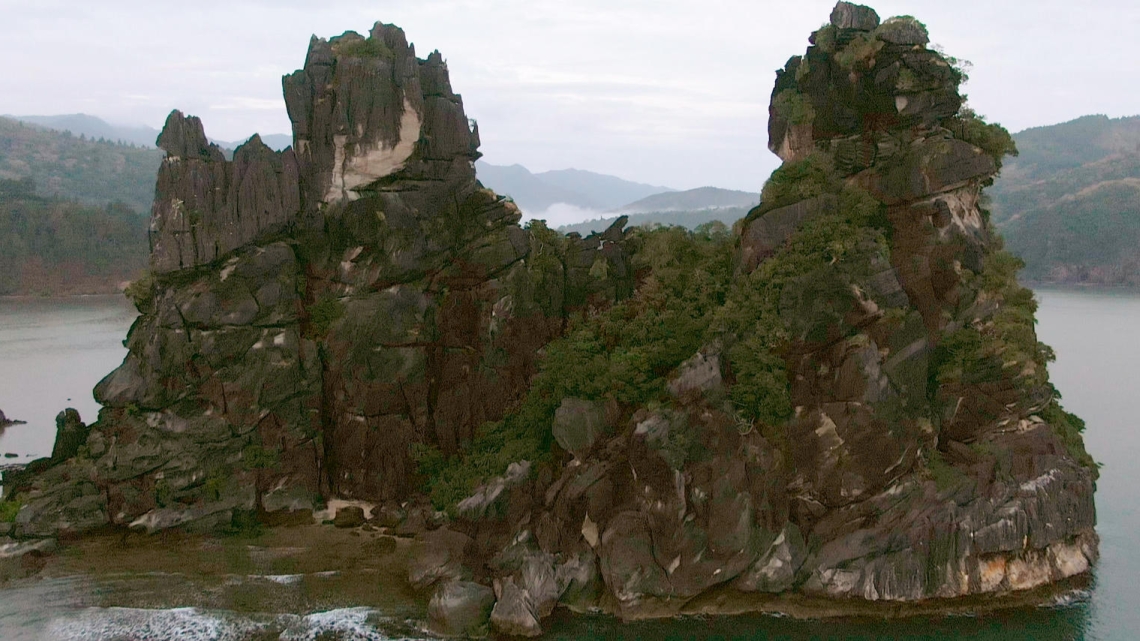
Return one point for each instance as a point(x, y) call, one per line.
point(702, 373)
point(578, 424)
point(765, 235)
point(903, 31)
point(349, 517)
point(70, 434)
point(440, 559)
point(461, 608)
point(5, 421)
point(846, 15)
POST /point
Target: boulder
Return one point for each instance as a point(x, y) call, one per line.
point(349, 516)
point(461, 609)
point(439, 559)
point(765, 235)
point(488, 496)
point(578, 424)
point(846, 15)
point(701, 373)
point(513, 614)
point(903, 31)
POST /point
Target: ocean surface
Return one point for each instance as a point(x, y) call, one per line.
point(52, 352)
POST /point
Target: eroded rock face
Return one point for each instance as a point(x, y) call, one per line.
point(925, 456)
point(315, 314)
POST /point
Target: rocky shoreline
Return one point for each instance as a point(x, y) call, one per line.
point(839, 406)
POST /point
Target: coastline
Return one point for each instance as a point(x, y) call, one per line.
point(367, 567)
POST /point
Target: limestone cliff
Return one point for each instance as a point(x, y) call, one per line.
point(313, 314)
point(869, 416)
point(843, 397)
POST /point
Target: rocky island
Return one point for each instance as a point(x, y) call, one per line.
point(841, 400)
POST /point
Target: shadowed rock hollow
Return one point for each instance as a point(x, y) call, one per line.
point(843, 397)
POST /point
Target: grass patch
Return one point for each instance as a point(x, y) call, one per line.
point(360, 47)
point(8, 511)
point(322, 314)
point(945, 476)
point(792, 105)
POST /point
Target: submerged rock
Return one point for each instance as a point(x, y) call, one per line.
point(5, 421)
point(349, 516)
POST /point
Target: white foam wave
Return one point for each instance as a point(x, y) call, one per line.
point(345, 624)
point(193, 624)
point(133, 624)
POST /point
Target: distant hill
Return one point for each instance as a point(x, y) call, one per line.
point(94, 127)
point(55, 246)
point(535, 193)
point(75, 167)
point(276, 142)
point(1069, 205)
point(688, 219)
point(692, 200)
point(141, 135)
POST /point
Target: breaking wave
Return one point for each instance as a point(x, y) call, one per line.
point(193, 624)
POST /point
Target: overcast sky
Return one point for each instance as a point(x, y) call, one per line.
point(667, 92)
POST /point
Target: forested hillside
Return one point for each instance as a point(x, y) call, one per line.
point(76, 168)
point(1069, 205)
point(55, 246)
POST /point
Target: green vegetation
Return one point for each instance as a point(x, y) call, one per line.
point(624, 353)
point(793, 106)
point(945, 476)
point(68, 167)
point(826, 38)
point(355, 46)
point(8, 511)
point(1069, 205)
point(322, 314)
point(1069, 428)
point(990, 138)
point(860, 52)
point(55, 246)
point(1002, 346)
point(803, 289)
point(687, 299)
point(796, 181)
point(141, 292)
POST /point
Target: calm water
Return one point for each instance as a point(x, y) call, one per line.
point(51, 351)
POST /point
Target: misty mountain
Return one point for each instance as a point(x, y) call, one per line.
point(534, 193)
point(688, 219)
point(692, 200)
point(96, 128)
point(93, 127)
point(276, 142)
